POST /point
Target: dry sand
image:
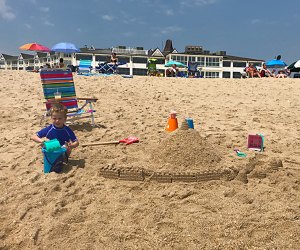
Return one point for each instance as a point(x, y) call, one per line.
point(259, 208)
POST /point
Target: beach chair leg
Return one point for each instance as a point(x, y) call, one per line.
point(43, 120)
point(92, 114)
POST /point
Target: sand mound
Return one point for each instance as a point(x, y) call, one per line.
point(186, 150)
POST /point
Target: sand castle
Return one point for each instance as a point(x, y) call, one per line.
point(184, 156)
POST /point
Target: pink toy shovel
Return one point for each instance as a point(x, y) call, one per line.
point(127, 141)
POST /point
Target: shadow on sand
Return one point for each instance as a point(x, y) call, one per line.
point(73, 163)
point(85, 126)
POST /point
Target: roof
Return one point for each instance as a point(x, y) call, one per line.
point(26, 56)
point(94, 51)
point(9, 57)
point(238, 58)
point(41, 54)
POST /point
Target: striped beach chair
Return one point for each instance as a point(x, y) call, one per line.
point(58, 87)
point(85, 67)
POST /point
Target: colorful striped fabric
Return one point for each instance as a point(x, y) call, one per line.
point(59, 80)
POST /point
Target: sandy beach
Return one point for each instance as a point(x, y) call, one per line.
point(253, 204)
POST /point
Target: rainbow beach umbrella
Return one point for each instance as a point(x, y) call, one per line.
point(34, 47)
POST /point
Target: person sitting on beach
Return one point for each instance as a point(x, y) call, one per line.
point(252, 71)
point(172, 72)
point(113, 58)
point(58, 130)
point(264, 72)
point(281, 74)
point(61, 63)
point(47, 66)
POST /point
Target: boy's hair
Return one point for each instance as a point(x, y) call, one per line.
point(58, 108)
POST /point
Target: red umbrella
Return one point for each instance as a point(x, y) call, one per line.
point(34, 47)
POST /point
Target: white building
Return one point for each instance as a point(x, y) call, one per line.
point(135, 60)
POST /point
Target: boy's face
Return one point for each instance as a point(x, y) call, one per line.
point(58, 119)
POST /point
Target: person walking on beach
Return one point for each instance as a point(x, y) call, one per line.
point(58, 130)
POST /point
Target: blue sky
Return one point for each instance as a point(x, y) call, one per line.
point(256, 29)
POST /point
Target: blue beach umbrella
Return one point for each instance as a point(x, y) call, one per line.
point(65, 48)
point(178, 64)
point(275, 63)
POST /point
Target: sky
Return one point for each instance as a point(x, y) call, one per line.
point(255, 29)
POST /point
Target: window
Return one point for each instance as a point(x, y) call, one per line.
point(139, 60)
point(200, 60)
point(239, 64)
point(160, 61)
point(237, 75)
point(83, 57)
point(257, 64)
point(123, 71)
point(102, 58)
point(123, 59)
point(226, 63)
point(212, 74)
point(212, 61)
point(226, 74)
point(192, 59)
point(182, 59)
point(140, 72)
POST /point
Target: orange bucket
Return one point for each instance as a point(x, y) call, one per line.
point(172, 124)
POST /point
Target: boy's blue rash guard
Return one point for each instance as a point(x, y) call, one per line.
point(63, 135)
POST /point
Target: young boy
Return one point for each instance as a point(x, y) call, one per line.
point(58, 130)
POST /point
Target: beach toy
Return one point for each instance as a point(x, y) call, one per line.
point(51, 145)
point(190, 123)
point(184, 125)
point(256, 142)
point(239, 153)
point(53, 160)
point(129, 140)
point(172, 122)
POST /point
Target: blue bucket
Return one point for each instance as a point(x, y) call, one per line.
point(50, 158)
point(190, 122)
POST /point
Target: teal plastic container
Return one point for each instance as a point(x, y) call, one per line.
point(52, 145)
point(50, 158)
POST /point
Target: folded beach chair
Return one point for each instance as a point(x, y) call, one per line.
point(151, 65)
point(107, 68)
point(193, 69)
point(58, 87)
point(85, 67)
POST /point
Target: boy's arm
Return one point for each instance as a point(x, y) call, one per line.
point(72, 145)
point(37, 139)
point(75, 144)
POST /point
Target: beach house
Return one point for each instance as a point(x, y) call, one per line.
point(133, 60)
